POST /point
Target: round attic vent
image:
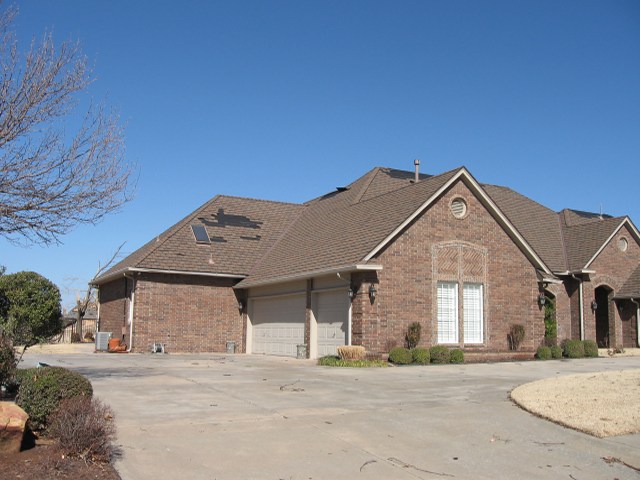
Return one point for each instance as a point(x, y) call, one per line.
point(459, 208)
point(623, 244)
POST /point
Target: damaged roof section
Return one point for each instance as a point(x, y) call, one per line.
point(239, 232)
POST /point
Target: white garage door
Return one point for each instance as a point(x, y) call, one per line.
point(333, 320)
point(278, 325)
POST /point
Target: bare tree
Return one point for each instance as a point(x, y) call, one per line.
point(83, 302)
point(51, 181)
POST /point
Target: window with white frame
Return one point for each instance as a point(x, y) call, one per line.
point(472, 312)
point(447, 312)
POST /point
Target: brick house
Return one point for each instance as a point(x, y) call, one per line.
point(359, 264)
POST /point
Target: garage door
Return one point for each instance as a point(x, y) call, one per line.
point(333, 320)
point(278, 325)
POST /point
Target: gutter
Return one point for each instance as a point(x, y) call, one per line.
point(581, 297)
point(169, 272)
point(311, 274)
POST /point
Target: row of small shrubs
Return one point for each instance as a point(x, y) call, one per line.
point(437, 354)
point(569, 349)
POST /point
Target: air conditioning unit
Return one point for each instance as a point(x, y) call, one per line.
point(102, 341)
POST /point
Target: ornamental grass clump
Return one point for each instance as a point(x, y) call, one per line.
point(400, 356)
point(440, 354)
point(421, 356)
point(42, 389)
point(351, 352)
point(543, 353)
point(590, 349)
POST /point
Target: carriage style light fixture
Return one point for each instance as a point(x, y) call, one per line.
point(542, 299)
point(594, 305)
point(350, 292)
point(240, 305)
point(372, 292)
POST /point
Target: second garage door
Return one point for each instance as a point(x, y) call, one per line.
point(333, 319)
point(278, 325)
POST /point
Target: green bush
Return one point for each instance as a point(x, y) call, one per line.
point(590, 348)
point(457, 356)
point(7, 360)
point(556, 352)
point(413, 335)
point(543, 353)
point(400, 356)
point(573, 348)
point(42, 389)
point(440, 354)
point(421, 356)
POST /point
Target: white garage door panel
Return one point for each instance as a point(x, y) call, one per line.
point(278, 325)
point(333, 321)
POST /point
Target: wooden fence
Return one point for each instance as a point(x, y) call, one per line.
point(88, 325)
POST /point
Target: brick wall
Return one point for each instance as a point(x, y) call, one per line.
point(186, 313)
point(439, 247)
point(613, 268)
point(114, 307)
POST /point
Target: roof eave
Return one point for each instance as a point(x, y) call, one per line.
point(358, 267)
point(129, 270)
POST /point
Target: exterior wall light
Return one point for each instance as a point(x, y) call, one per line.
point(350, 293)
point(542, 299)
point(594, 305)
point(240, 305)
point(372, 292)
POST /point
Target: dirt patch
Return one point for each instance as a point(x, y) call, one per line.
point(46, 462)
point(600, 404)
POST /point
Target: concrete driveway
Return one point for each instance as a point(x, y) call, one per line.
point(251, 417)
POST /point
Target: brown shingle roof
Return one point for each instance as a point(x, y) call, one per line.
point(583, 240)
point(631, 288)
point(241, 231)
point(340, 229)
point(539, 225)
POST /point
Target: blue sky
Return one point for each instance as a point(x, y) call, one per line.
point(285, 100)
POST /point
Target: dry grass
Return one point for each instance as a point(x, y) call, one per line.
point(351, 352)
point(600, 404)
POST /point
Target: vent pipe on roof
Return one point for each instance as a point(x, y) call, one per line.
point(416, 163)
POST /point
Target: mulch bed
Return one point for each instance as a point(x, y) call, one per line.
point(44, 462)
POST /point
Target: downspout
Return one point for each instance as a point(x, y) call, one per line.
point(637, 320)
point(131, 310)
point(581, 298)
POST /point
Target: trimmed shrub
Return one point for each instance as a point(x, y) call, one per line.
point(351, 352)
point(400, 356)
point(590, 348)
point(413, 335)
point(516, 336)
point(440, 354)
point(543, 353)
point(556, 352)
point(421, 356)
point(84, 428)
point(457, 356)
point(42, 389)
point(573, 348)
